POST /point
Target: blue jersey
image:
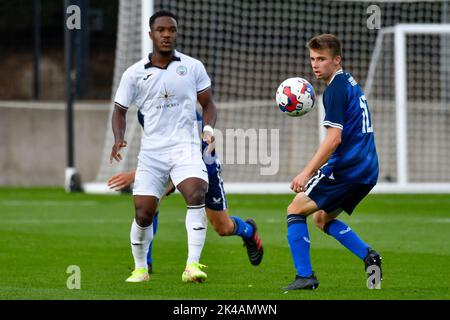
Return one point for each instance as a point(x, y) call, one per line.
point(355, 159)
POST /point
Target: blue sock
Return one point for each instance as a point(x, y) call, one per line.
point(298, 238)
point(242, 228)
point(347, 237)
point(155, 227)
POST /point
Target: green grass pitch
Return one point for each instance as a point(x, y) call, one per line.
point(43, 231)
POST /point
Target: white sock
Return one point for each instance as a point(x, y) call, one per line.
point(140, 240)
point(196, 224)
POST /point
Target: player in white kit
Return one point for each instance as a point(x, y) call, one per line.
point(165, 88)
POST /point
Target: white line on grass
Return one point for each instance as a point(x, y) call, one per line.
point(63, 221)
point(433, 220)
point(16, 203)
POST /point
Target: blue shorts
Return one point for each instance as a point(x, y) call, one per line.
point(215, 198)
point(330, 194)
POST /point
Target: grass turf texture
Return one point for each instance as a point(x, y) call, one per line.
point(43, 231)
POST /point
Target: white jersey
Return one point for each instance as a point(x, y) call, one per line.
point(167, 99)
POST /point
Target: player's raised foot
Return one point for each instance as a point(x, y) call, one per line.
point(139, 275)
point(372, 258)
point(254, 245)
point(150, 268)
point(304, 283)
point(193, 273)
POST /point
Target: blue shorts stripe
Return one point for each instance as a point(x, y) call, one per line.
point(313, 182)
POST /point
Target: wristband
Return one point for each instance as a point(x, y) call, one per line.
point(209, 129)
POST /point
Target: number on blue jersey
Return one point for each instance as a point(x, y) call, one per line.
point(366, 122)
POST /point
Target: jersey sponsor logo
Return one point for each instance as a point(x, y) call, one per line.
point(181, 70)
point(147, 76)
point(166, 96)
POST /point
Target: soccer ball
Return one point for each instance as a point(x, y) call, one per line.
point(295, 97)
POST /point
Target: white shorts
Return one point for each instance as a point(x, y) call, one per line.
point(154, 170)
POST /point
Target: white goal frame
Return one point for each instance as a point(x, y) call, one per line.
point(400, 32)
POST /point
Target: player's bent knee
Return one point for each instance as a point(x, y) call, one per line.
point(302, 205)
point(291, 209)
point(145, 208)
point(195, 198)
point(294, 208)
point(319, 220)
point(143, 216)
point(142, 219)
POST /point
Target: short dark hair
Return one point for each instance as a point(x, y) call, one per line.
point(326, 41)
point(162, 13)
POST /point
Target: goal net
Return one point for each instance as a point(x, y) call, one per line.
point(249, 47)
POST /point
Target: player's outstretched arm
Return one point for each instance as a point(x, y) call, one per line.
point(118, 126)
point(326, 149)
point(121, 180)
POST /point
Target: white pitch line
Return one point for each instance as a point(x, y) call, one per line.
point(441, 220)
point(16, 203)
point(434, 220)
point(62, 221)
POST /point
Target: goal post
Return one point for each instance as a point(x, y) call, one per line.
point(400, 33)
point(146, 13)
point(132, 44)
point(402, 67)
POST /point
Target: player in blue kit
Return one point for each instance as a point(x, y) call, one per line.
point(343, 170)
point(215, 203)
